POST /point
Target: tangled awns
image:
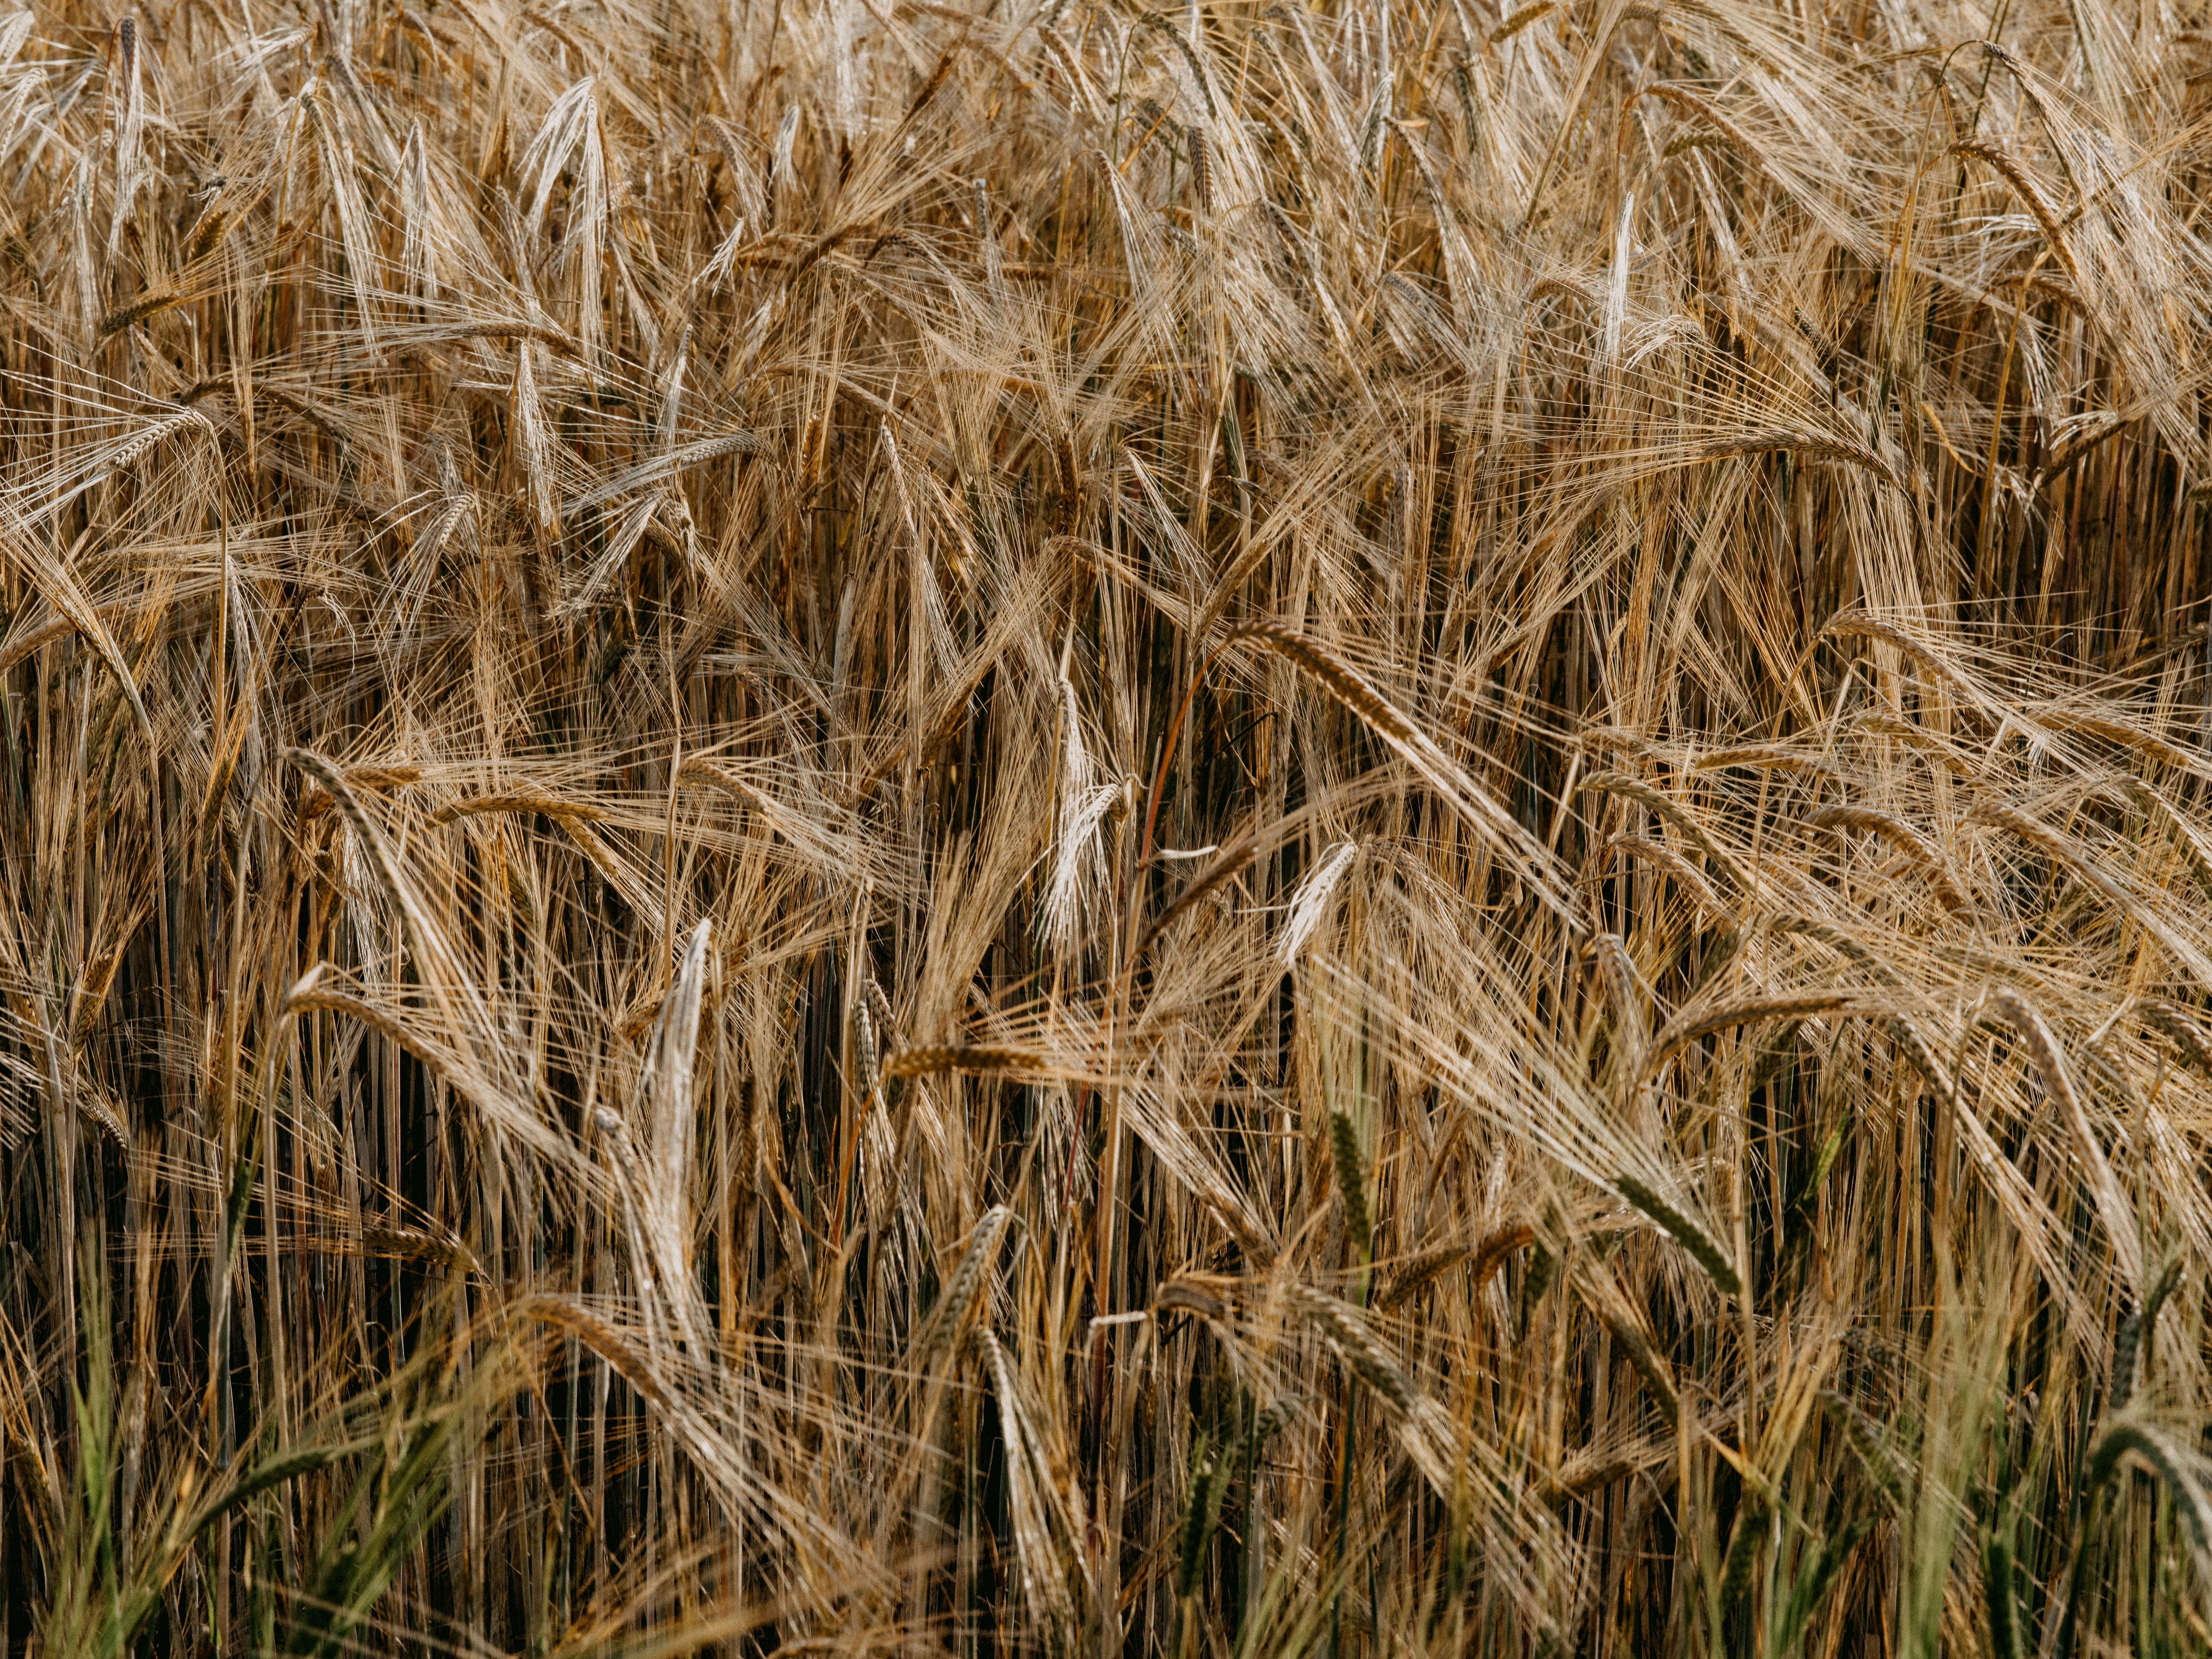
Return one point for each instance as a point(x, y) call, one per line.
point(1325, 827)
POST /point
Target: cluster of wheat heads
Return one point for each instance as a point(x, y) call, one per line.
point(1342, 828)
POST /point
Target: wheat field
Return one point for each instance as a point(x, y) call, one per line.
point(1355, 829)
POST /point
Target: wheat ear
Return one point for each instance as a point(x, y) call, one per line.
point(1686, 1029)
point(1701, 1245)
point(1902, 835)
point(2112, 1206)
point(1352, 1182)
point(1618, 783)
